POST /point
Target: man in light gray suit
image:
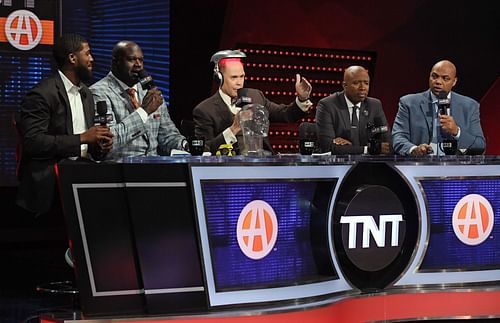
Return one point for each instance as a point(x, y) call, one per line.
point(141, 123)
point(418, 124)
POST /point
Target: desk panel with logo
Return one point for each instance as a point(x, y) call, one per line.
point(197, 234)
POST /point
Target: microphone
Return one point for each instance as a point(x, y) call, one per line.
point(308, 137)
point(102, 117)
point(145, 80)
point(443, 103)
point(375, 130)
point(243, 99)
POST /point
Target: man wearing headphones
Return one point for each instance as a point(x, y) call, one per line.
point(217, 119)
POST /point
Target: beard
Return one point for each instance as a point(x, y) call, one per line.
point(83, 73)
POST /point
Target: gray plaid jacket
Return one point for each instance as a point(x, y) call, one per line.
point(133, 137)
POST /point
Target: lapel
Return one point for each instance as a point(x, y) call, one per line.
point(428, 111)
point(61, 92)
point(122, 94)
point(362, 122)
point(344, 112)
point(88, 106)
point(222, 112)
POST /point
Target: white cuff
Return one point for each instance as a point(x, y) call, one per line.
point(229, 136)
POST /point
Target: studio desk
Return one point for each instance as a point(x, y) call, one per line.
point(284, 238)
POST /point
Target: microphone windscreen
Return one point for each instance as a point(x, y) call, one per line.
point(145, 79)
point(101, 108)
point(442, 95)
point(308, 130)
point(242, 92)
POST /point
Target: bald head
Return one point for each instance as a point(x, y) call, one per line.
point(356, 83)
point(351, 71)
point(127, 60)
point(443, 77)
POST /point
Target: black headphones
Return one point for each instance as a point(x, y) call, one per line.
point(216, 58)
point(218, 77)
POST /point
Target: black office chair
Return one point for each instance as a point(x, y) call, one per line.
point(308, 138)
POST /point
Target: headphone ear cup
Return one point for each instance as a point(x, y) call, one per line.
point(218, 78)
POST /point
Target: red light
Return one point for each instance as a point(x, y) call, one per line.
point(281, 52)
point(348, 57)
point(342, 56)
point(287, 53)
point(313, 68)
point(278, 65)
point(272, 92)
point(307, 68)
point(260, 65)
point(251, 50)
point(292, 53)
point(309, 54)
point(336, 56)
point(315, 55)
point(257, 51)
point(257, 78)
point(275, 52)
point(369, 58)
point(288, 133)
point(266, 65)
point(320, 55)
point(286, 146)
point(274, 146)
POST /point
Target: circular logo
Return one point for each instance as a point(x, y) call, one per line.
point(473, 219)
point(373, 228)
point(23, 29)
point(257, 229)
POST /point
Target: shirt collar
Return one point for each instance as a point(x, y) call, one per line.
point(350, 104)
point(124, 86)
point(226, 98)
point(68, 85)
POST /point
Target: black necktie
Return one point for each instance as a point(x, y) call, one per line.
point(354, 127)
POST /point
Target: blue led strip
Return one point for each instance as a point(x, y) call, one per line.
point(19, 74)
point(445, 251)
point(146, 23)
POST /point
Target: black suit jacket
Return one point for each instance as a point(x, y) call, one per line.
point(212, 116)
point(333, 120)
point(47, 136)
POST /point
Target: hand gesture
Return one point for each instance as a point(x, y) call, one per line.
point(303, 88)
point(422, 150)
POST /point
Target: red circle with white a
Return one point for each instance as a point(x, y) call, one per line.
point(23, 29)
point(473, 219)
point(257, 229)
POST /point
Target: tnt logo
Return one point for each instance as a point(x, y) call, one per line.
point(473, 219)
point(370, 227)
point(257, 229)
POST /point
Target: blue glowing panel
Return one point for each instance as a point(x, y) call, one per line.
point(445, 250)
point(291, 259)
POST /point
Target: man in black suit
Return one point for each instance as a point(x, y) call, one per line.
point(56, 122)
point(217, 118)
point(344, 118)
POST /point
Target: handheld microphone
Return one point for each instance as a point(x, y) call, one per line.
point(443, 103)
point(102, 117)
point(243, 99)
point(145, 80)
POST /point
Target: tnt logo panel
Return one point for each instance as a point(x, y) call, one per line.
point(464, 224)
point(259, 232)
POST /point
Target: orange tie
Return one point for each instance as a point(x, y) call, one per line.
point(133, 98)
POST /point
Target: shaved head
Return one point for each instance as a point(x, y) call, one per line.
point(126, 62)
point(353, 70)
